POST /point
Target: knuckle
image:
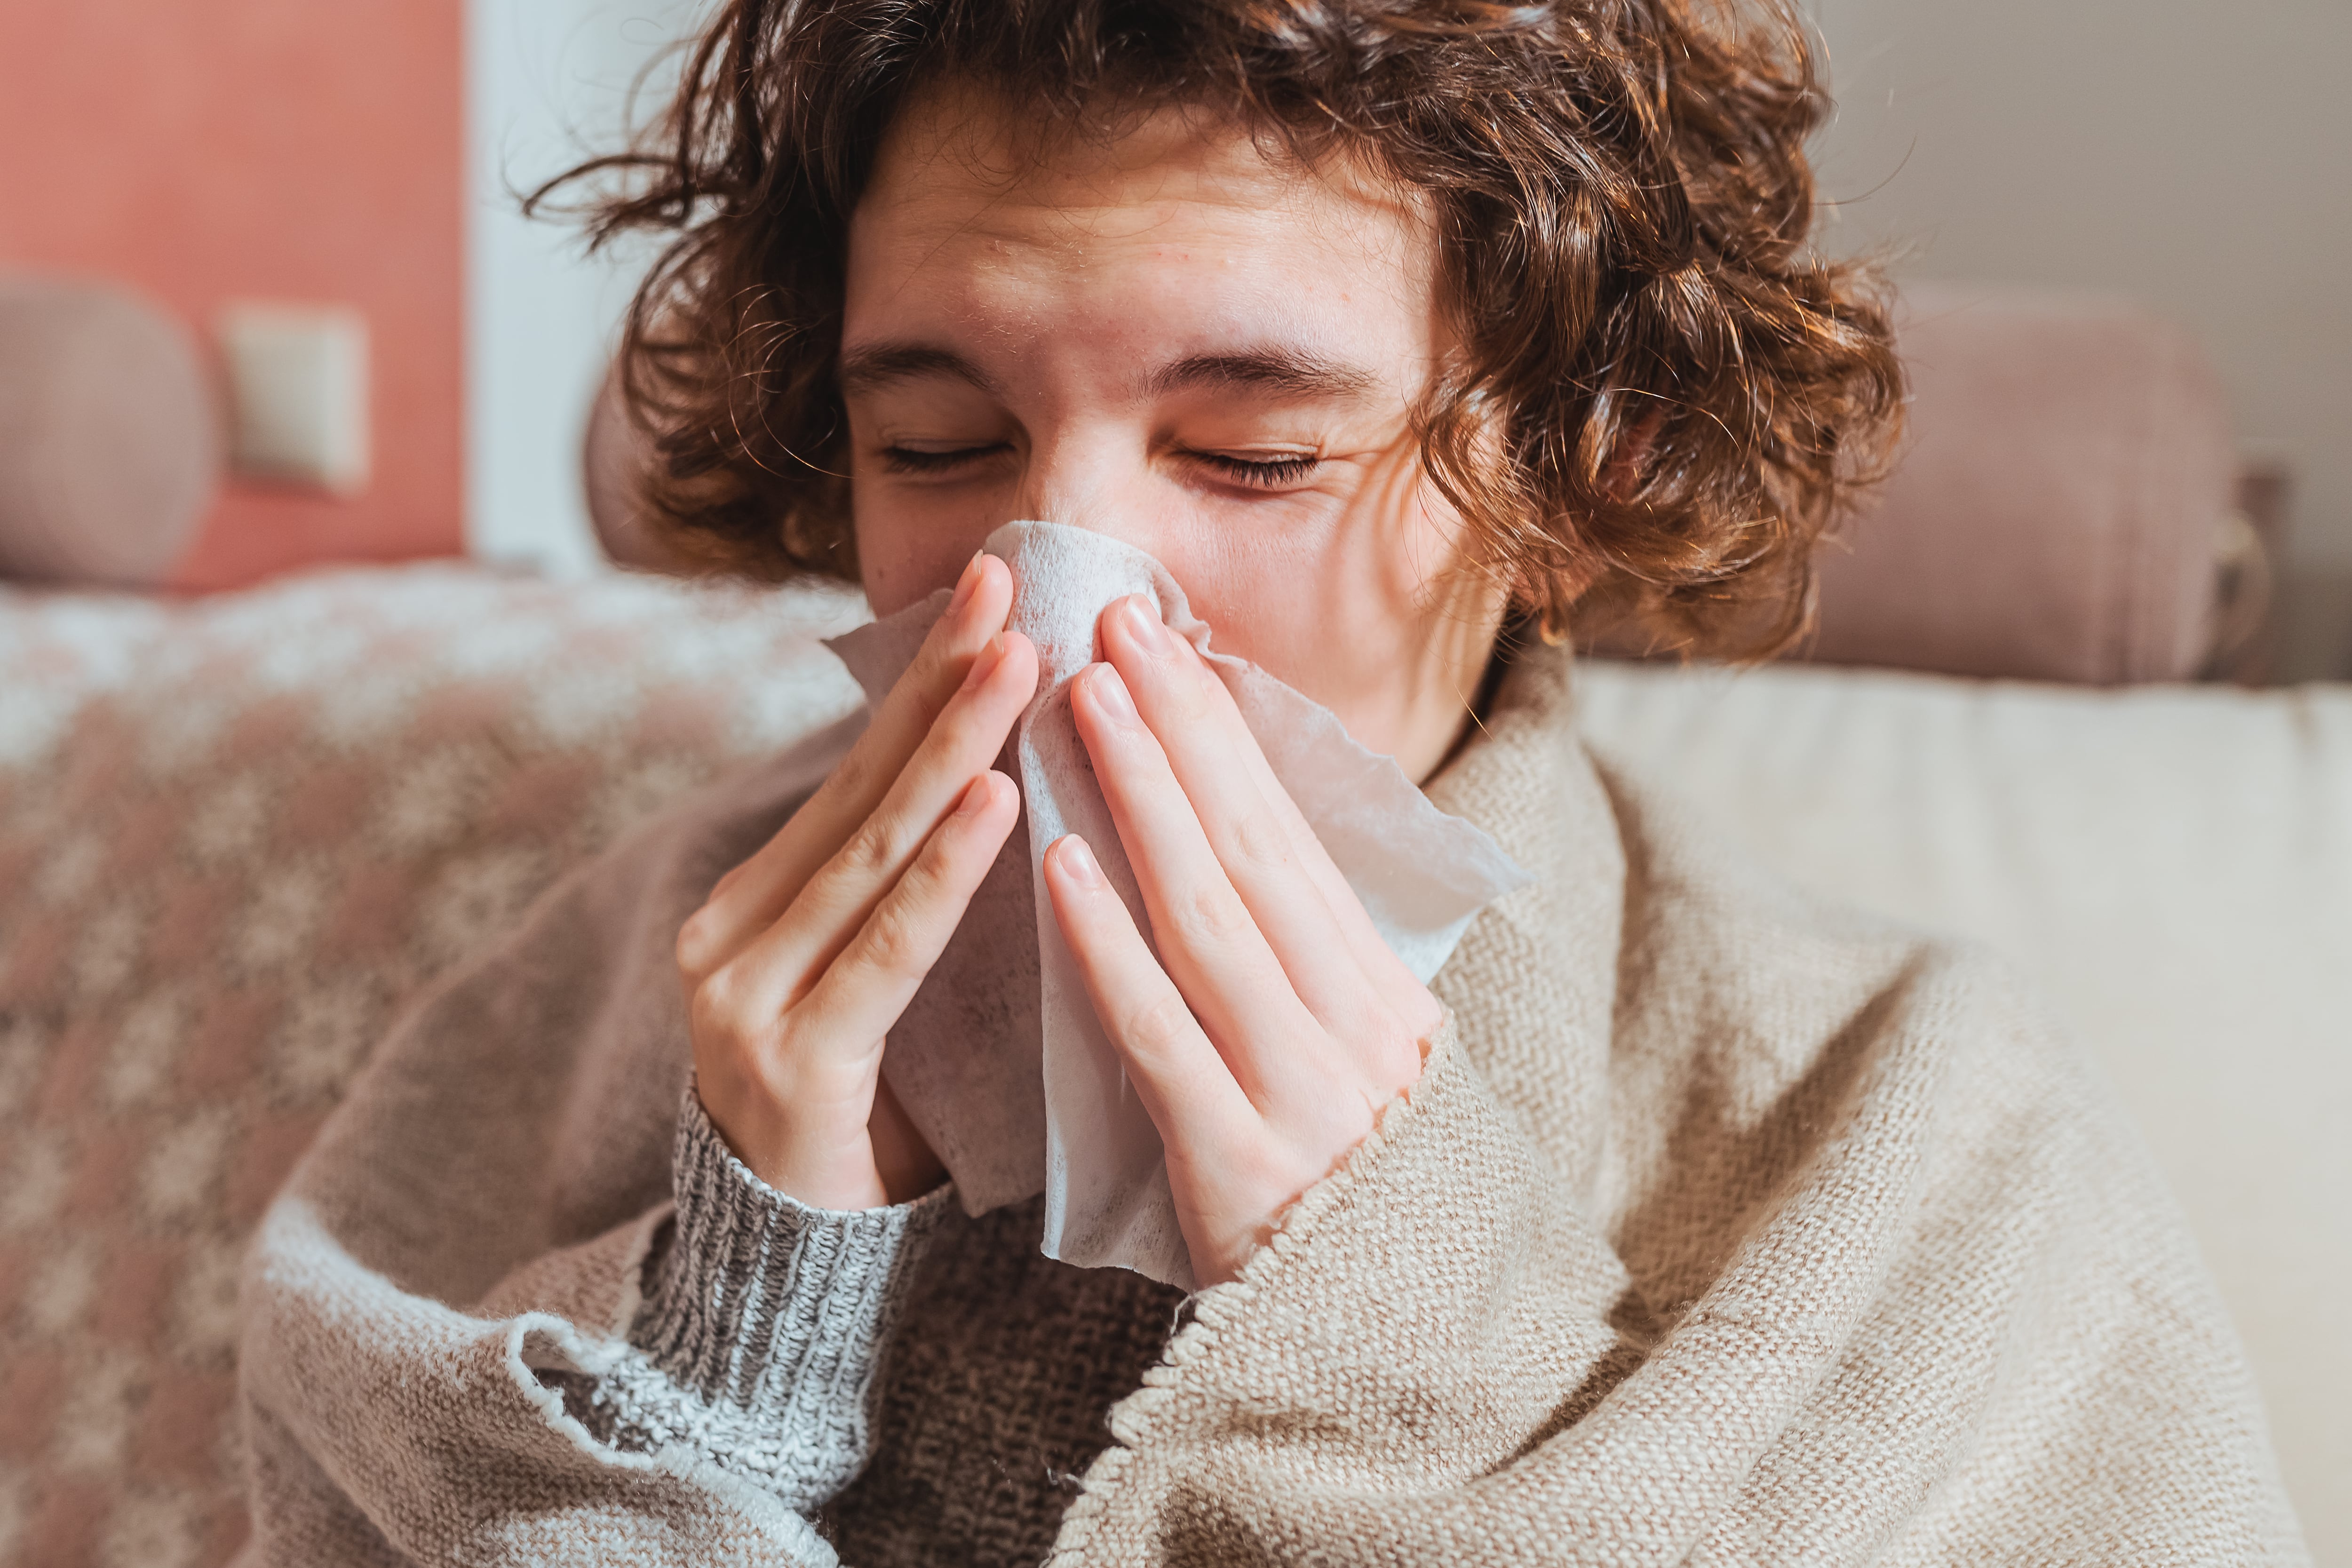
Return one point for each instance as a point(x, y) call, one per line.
point(933, 699)
point(926, 880)
point(871, 852)
point(1211, 918)
point(1158, 1027)
point(718, 1014)
point(982, 721)
point(895, 941)
point(698, 945)
point(1192, 689)
point(1185, 693)
point(1257, 841)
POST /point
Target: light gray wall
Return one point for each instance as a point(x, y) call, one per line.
point(2195, 153)
point(548, 83)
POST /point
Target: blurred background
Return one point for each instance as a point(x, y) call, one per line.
point(274, 339)
point(2193, 156)
point(358, 163)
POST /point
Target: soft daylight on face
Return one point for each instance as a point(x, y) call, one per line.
point(1153, 782)
point(1173, 338)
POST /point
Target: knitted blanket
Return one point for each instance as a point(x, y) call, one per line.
point(1723, 1226)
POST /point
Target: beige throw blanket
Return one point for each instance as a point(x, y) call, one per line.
point(1724, 1227)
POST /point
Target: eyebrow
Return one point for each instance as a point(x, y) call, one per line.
point(1293, 372)
point(1281, 368)
point(877, 366)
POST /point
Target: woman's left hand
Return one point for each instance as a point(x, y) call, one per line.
point(1281, 1022)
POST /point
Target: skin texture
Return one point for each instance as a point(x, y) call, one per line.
point(1136, 312)
point(1167, 335)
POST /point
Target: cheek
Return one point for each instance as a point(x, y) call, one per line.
point(1359, 614)
point(907, 547)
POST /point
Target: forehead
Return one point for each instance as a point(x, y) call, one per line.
point(969, 209)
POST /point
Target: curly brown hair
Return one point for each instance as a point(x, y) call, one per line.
point(1663, 396)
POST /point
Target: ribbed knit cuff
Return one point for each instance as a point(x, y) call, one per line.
point(764, 1306)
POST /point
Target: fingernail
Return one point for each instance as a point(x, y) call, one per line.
point(966, 584)
point(1110, 693)
point(985, 662)
point(975, 797)
point(1079, 862)
point(1149, 628)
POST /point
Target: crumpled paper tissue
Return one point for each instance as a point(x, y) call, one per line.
point(1000, 1060)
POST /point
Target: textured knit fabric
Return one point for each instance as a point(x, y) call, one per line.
point(237, 833)
point(761, 1325)
point(1722, 1227)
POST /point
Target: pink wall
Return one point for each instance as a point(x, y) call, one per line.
point(209, 149)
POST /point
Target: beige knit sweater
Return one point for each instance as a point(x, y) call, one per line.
point(1723, 1226)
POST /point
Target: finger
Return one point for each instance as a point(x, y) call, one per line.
point(865, 989)
point(1377, 959)
point(843, 895)
point(794, 1094)
point(749, 897)
point(1209, 748)
point(1212, 948)
point(1374, 955)
point(1186, 1085)
point(1184, 697)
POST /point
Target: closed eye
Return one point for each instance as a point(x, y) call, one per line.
point(1260, 473)
point(922, 460)
point(1256, 473)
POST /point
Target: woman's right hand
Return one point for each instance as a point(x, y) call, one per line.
point(805, 955)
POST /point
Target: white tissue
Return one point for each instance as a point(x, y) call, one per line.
point(1000, 1060)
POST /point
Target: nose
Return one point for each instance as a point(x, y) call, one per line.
point(1100, 479)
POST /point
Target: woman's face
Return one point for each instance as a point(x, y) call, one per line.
point(1170, 338)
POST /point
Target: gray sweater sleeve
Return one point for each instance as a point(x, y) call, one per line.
point(760, 1323)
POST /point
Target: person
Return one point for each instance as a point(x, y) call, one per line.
point(1681, 1218)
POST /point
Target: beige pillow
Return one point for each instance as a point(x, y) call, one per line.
point(109, 444)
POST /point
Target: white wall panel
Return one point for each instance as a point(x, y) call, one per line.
point(548, 83)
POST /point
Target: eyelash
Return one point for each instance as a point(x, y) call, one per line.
point(909, 461)
point(1255, 473)
point(1262, 474)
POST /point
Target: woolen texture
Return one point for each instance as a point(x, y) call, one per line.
point(761, 1326)
point(1723, 1226)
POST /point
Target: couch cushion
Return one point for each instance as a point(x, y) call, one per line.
point(234, 835)
point(2174, 864)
